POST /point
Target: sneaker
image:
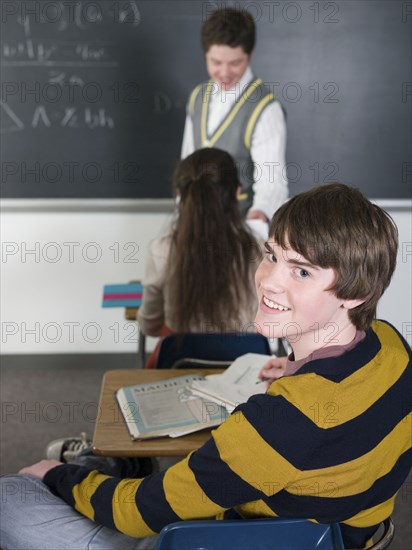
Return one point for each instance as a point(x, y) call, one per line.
point(67, 449)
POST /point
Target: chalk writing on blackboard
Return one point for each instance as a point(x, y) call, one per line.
point(65, 13)
point(66, 99)
point(67, 117)
point(30, 51)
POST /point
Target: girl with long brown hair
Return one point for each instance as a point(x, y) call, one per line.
point(200, 277)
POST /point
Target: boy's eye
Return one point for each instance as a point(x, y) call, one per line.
point(303, 273)
point(271, 257)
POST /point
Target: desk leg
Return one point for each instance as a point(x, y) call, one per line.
point(141, 350)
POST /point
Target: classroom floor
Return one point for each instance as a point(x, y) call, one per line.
point(49, 396)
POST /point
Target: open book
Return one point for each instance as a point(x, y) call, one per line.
point(167, 408)
point(188, 403)
point(239, 382)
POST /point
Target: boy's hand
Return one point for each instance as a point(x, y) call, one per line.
point(40, 469)
point(273, 369)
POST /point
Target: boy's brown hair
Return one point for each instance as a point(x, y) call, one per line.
point(336, 226)
point(229, 27)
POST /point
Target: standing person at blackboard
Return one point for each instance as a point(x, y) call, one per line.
point(236, 112)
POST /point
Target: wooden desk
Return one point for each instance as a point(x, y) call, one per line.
point(111, 437)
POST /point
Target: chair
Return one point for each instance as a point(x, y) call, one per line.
point(208, 350)
point(260, 534)
point(386, 537)
point(256, 534)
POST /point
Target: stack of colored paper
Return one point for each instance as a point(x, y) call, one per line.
point(123, 295)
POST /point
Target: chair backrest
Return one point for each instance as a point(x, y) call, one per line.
point(208, 349)
point(259, 534)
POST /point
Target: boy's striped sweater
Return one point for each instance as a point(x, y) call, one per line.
point(331, 443)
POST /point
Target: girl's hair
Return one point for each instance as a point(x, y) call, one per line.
point(209, 271)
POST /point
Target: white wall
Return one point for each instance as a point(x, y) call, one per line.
point(55, 262)
point(396, 304)
point(51, 297)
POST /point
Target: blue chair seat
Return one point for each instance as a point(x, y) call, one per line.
point(258, 534)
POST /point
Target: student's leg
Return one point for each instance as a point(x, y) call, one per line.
point(32, 518)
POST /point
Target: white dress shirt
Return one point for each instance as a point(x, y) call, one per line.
point(268, 145)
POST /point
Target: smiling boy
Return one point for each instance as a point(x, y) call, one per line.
point(236, 112)
point(294, 299)
point(319, 285)
point(330, 441)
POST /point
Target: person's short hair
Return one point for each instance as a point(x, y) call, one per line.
point(229, 27)
point(335, 226)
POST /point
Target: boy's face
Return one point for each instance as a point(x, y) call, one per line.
point(226, 65)
point(294, 302)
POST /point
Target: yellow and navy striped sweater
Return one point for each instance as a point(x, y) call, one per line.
point(331, 443)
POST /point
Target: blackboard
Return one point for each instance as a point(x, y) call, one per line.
point(93, 93)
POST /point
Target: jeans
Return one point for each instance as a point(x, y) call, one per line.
point(33, 518)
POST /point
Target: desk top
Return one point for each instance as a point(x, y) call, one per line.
point(111, 437)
